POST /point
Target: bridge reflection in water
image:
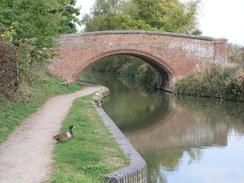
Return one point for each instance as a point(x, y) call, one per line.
point(171, 132)
point(195, 142)
point(182, 139)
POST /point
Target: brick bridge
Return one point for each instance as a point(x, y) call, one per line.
point(173, 55)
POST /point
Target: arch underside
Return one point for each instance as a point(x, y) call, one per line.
point(164, 72)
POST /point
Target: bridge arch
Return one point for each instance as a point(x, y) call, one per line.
point(164, 72)
point(177, 54)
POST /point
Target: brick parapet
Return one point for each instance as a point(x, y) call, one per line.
point(221, 52)
point(172, 34)
point(177, 54)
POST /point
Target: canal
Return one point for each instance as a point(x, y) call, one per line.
point(182, 139)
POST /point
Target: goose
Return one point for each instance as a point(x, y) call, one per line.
point(99, 102)
point(63, 137)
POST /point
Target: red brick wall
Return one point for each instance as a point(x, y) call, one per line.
point(178, 54)
point(221, 51)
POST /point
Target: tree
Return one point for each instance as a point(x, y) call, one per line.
point(7, 69)
point(156, 15)
point(30, 27)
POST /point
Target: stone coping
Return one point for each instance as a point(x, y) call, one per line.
point(171, 34)
point(136, 171)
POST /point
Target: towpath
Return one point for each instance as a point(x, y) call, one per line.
point(26, 156)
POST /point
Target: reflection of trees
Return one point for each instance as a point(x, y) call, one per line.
point(194, 154)
point(163, 132)
point(134, 110)
point(168, 158)
point(215, 111)
point(190, 125)
point(130, 107)
point(160, 162)
point(180, 128)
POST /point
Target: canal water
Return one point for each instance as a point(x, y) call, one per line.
point(182, 139)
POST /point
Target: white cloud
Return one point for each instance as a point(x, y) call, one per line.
point(223, 18)
point(85, 5)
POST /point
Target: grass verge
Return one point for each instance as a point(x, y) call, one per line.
point(12, 113)
point(92, 152)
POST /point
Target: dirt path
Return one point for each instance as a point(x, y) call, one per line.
point(26, 156)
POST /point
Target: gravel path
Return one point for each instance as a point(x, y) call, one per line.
point(26, 156)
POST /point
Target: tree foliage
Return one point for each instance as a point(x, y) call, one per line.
point(26, 19)
point(156, 15)
point(30, 26)
point(7, 69)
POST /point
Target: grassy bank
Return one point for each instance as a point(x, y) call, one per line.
point(15, 111)
point(227, 83)
point(92, 152)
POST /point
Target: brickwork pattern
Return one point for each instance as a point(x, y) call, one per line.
point(177, 54)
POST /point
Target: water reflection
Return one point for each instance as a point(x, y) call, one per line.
point(199, 141)
point(182, 139)
point(131, 106)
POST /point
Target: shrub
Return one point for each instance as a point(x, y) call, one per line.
point(7, 69)
point(224, 83)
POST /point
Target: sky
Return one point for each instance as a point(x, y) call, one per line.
point(217, 18)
